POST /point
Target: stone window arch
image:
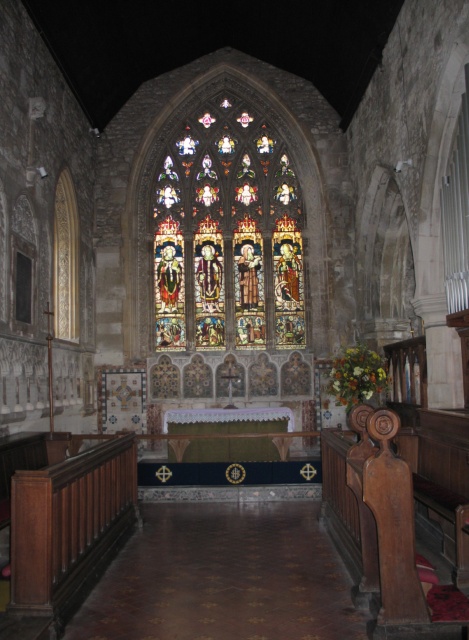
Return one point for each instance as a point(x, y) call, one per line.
point(139, 340)
point(66, 260)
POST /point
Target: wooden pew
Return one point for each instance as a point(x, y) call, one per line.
point(386, 483)
point(68, 521)
point(366, 593)
point(383, 482)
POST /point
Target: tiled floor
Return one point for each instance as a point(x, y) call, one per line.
point(261, 571)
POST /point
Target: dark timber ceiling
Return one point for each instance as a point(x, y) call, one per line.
point(107, 48)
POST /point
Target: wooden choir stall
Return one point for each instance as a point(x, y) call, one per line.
point(368, 507)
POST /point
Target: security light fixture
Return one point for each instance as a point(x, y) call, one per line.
point(401, 164)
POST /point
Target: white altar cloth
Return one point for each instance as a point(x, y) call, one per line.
point(192, 416)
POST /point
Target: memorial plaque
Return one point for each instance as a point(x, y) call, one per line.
point(24, 278)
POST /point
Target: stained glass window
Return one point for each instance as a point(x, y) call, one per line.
point(227, 194)
point(288, 284)
point(249, 285)
point(187, 145)
point(168, 251)
point(209, 286)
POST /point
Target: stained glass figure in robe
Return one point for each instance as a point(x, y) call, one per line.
point(170, 327)
point(285, 193)
point(249, 285)
point(246, 194)
point(187, 146)
point(288, 284)
point(265, 144)
point(249, 266)
point(226, 145)
point(209, 285)
point(289, 271)
point(209, 275)
point(169, 275)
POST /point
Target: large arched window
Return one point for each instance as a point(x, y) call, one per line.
point(66, 260)
point(228, 219)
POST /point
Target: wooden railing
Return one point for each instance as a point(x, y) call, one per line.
point(68, 521)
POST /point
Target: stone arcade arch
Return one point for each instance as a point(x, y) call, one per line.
point(385, 265)
point(443, 344)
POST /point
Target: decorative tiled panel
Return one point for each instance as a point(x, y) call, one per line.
point(296, 376)
point(165, 379)
point(263, 377)
point(327, 413)
point(198, 382)
point(123, 395)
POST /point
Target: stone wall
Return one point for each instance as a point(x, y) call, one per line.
point(42, 126)
point(408, 113)
point(124, 147)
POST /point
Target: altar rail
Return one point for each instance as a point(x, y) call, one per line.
point(68, 521)
point(179, 443)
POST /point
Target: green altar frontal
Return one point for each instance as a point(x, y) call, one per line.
point(229, 449)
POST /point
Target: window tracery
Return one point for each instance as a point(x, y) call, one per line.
point(227, 179)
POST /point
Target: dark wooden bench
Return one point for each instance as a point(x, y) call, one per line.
point(454, 508)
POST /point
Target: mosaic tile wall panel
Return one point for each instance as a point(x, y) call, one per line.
point(165, 379)
point(198, 382)
point(327, 413)
point(123, 395)
point(263, 378)
point(296, 376)
point(230, 372)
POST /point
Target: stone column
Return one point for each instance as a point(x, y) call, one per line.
point(445, 383)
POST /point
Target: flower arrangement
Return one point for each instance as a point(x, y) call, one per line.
point(356, 376)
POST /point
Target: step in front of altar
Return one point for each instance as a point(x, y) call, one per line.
point(153, 473)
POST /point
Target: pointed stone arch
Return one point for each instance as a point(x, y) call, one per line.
point(385, 265)
point(136, 219)
point(66, 260)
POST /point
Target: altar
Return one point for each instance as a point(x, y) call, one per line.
point(226, 422)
